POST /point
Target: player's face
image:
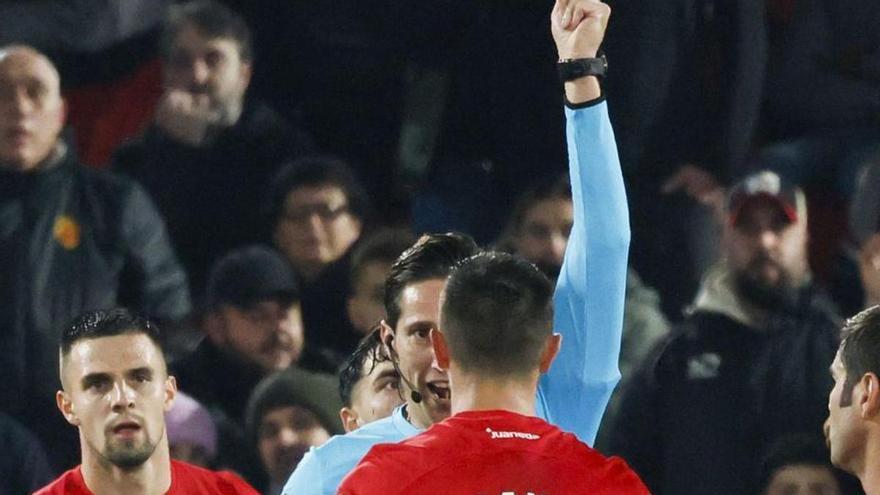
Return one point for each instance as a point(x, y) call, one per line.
point(366, 305)
point(801, 479)
point(31, 109)
point(376, 394)
point(316, 227)
point(419, 313)
point(116, 390)
point(767, 249)
point(285, 434)
point(268, 333)
point(843, 429)
point(207, 66)
point(544, 232)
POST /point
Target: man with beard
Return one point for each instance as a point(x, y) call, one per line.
point(211, 151)
point(746, 366)
point(116, 390)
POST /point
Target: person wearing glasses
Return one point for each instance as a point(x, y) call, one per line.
point(317, 211)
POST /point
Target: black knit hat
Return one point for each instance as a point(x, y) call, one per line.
point(248, 275)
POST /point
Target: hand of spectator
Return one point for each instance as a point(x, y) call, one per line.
point(699, 185)
point(186, 117)
point(869, 268)
point(578, 27)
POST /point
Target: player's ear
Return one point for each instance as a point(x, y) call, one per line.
point(386, 334)
point(869, 398)
point(65, 405)
point(170, 392)
point(350, 419)
point(551, 350)
point(441, 348)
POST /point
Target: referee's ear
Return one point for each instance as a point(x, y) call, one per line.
point(441, 349)
point(551, 350)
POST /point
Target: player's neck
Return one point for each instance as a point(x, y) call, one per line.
point(153, 477)
point(869, 472)
point(472, 392)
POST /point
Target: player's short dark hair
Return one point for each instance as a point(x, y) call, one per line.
point(107, 323)
point(793, 450)
point(497, 314)
point(369, 350)
point(212, 19)
point(432, 256)
point(860, 348)
point(317, 170)
point(382, 246)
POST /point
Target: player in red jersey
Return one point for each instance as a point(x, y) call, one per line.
point(495, 340)
point(116, 390)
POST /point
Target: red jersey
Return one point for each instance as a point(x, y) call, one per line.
point(185, 479)
point(490, 453)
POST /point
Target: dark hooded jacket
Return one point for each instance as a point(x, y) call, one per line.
point(731, 379)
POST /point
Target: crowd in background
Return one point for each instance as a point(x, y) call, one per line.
point(247, 173)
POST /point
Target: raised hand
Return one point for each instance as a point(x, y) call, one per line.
point(578, 27)
point(186, 117)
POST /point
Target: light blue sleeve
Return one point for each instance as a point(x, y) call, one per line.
point(308, 478)
point(589, 296)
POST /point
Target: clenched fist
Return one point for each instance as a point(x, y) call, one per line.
point(578, 27)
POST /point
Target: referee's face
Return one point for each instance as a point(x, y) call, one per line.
point(420, 312)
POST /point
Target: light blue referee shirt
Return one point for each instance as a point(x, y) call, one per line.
point(588, 309)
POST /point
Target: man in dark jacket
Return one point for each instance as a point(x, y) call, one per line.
point(210, 152)
point(748, 365)
point(71, 239)
point(253, 327)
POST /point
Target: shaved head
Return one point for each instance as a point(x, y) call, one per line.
point(32, 111)
point(12, 52)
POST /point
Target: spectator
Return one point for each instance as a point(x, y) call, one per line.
point(850, 284)
point(116, 390)
point(71, 238)
point(538, 230)
point(192, 434)
point(289, 413)
point(318, 211)
point(28, 469)
point(368, 384)
point(854, 403)
point(210, 152)
point(253, 327)
point(798, 465)
point(746, 366)
point(370, 263)
point(869, 268)
point(106, 53)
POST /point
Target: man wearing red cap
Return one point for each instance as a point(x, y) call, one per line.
point(746, 366)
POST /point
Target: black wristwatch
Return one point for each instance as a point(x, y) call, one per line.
point(576, 68)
